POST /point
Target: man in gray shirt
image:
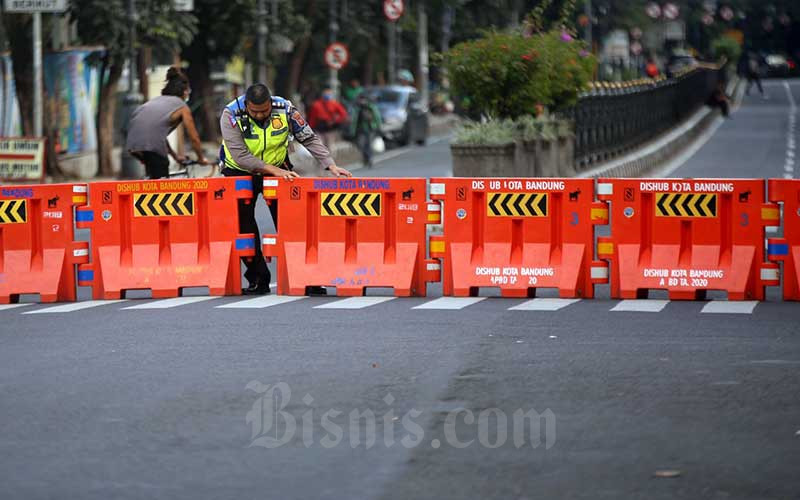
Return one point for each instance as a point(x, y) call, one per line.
point(255, 132)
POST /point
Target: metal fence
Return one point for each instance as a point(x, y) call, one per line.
point(614, 118)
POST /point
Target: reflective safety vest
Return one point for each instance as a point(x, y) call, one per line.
point(269, 143)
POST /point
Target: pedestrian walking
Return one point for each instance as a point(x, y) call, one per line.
point(326, 115)
point(752, 72)
point(365, 126)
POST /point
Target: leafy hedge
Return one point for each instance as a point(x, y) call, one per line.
point(726, 47)
point(507, 74)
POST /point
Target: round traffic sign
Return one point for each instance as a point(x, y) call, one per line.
point(393, 9)
point(653, 10)
point(671, 11)
point(336, 55)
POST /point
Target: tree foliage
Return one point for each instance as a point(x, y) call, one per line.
point(105, 23)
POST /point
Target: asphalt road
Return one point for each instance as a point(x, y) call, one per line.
point(233, 398)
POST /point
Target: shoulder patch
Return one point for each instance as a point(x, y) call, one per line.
point(298, 119)
point(232, 120)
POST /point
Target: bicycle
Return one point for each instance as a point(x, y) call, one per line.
point(187, 171)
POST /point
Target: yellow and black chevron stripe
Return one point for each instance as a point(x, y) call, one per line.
point(351, 204)
point(13, 211)
point(686, 205)
point(517, 204)
point(163, 204)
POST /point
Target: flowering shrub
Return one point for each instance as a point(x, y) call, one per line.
point(506, 75)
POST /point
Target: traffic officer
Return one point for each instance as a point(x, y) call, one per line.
point(255, 131)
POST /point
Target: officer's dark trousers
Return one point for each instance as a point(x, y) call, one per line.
point(257, 271)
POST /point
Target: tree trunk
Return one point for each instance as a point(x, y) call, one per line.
point(199, 73)
point(143, 59)
point(206, 116)
point(369, 63)
point(18, 31)
point(105, 117)
point(299, 55)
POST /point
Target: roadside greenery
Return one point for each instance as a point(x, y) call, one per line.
point(505, 131)
point(511, 74)
point(726, 47)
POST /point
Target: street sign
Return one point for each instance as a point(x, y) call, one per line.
point(675, 30)
point(653, 10)
point(22, 158)
point(36, 5)
point(183, 5)
point(671, 11)
point(337, 55)
point(393, 9)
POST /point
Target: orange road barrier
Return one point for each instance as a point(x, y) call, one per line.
point(37, 247)
point(688, 236)
point(518, 235)
point(351, 234)
point(787, 249)
point(165, 235)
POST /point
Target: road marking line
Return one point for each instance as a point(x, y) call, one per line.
point(646, 305)
point(3, 307)
point(260, 302)
point(173, 302)
point(789, 93)
point(730, 307)
point(544, 305)
point(75, 306)
point(354, 303)
point(450, 303)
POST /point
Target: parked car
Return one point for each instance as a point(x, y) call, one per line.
point(679, 62)
point(779, 65)
point(404, 117)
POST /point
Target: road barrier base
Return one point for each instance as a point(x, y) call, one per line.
point(37, 251)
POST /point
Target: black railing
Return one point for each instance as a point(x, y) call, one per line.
point(614, 118)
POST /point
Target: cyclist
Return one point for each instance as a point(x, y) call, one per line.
point(154, 120)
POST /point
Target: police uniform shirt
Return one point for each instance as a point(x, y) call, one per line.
point(298, 127)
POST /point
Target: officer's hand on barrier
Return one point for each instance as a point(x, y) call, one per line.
point(289, 175)
point(339, 172)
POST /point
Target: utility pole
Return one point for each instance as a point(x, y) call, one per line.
point(391, 70)
point(37, 74)
point(422, 43)
point(333, 30)
point(130, 166)
point(262, 33)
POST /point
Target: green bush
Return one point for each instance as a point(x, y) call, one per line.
point(489, 133)
point(505, 131)
point(726, 47)
point(506, 74)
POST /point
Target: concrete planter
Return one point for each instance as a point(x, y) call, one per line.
point(483, 160)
